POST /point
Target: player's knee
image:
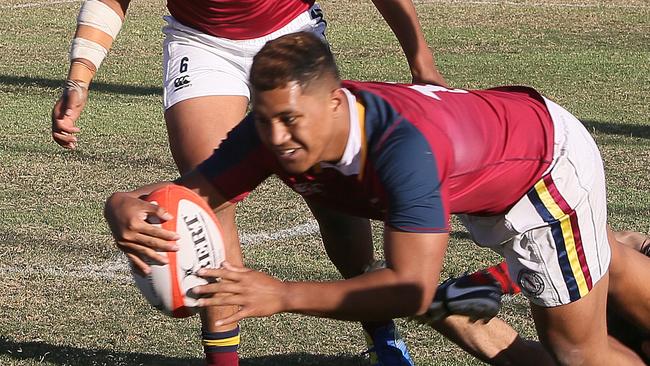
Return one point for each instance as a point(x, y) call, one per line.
point(575, 354)
point(570, 356)
point(630, 239)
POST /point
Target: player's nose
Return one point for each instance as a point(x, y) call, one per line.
point(279, 134)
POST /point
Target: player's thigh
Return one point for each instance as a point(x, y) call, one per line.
point(196, 126)
point(575, 332)
point(205, 92)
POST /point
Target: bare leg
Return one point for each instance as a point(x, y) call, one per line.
point(576, 333)
point(196, 127)
point(629, 293)
point(634, 240)
point(494, 342)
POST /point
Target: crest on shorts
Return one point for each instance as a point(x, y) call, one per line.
point(530, 282)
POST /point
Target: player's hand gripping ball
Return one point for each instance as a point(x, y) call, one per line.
point(200, 246)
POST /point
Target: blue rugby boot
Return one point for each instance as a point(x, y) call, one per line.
point(386, 347)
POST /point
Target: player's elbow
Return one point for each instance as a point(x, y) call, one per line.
point(419, 297)
point(426, 296)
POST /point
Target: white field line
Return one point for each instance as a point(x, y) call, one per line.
point(309, 228)
point(38, 5)
point(118, 269)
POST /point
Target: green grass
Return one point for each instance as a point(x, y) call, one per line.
point(65, 295)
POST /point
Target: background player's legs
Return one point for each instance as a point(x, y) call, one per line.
point(576, 333)
point(195, 127)
point(352, 255)
point(356, 252)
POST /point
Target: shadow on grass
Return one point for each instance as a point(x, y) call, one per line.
point(22, 81)
point(87, 156)
point(622, 129)
point(609, 128)
point(74, 356)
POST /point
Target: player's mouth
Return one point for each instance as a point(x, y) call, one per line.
point(287, 154)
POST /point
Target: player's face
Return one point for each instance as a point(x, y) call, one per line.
point(298, 126)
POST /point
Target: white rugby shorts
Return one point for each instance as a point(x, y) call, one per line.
point(196, 64)
point(554, 239)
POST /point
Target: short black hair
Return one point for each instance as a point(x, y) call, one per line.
point(301, 57)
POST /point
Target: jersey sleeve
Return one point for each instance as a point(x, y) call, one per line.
point(239, 164)
point(407, 169)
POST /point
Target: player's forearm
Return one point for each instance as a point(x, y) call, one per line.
point(98, 24)
point(373, 296)
point(402, 19)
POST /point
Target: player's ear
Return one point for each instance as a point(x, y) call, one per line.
point(336, 99)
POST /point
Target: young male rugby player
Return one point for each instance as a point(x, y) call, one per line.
point(207, 52)
point(523, 172)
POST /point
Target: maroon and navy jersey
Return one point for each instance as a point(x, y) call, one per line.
point(415, 154)
point(241, 19)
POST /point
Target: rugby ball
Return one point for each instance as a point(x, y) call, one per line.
point(200, 246)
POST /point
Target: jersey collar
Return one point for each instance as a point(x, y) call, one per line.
point(354, 153)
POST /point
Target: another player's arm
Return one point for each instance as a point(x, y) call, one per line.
point(98, 24)
point(403, 20)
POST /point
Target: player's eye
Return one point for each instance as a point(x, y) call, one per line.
point(289, 120)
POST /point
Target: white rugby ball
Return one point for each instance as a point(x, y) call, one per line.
point(200, 246)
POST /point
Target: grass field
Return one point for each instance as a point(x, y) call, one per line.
point(66, 297)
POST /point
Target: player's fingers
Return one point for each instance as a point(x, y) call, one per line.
point(219, 291)
point(162, 213)
point(144, 253)
point(64, 124)
point(209, 273)
point(154, 243)
point(154, 215)
point(63, 138)
point(222, 273)
point(235, 318)
point(138, 265)
point(156, 235)
point(243, 312)
point(233, 268)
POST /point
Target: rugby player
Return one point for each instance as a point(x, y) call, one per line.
point(207, 52)
point(524, 175)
